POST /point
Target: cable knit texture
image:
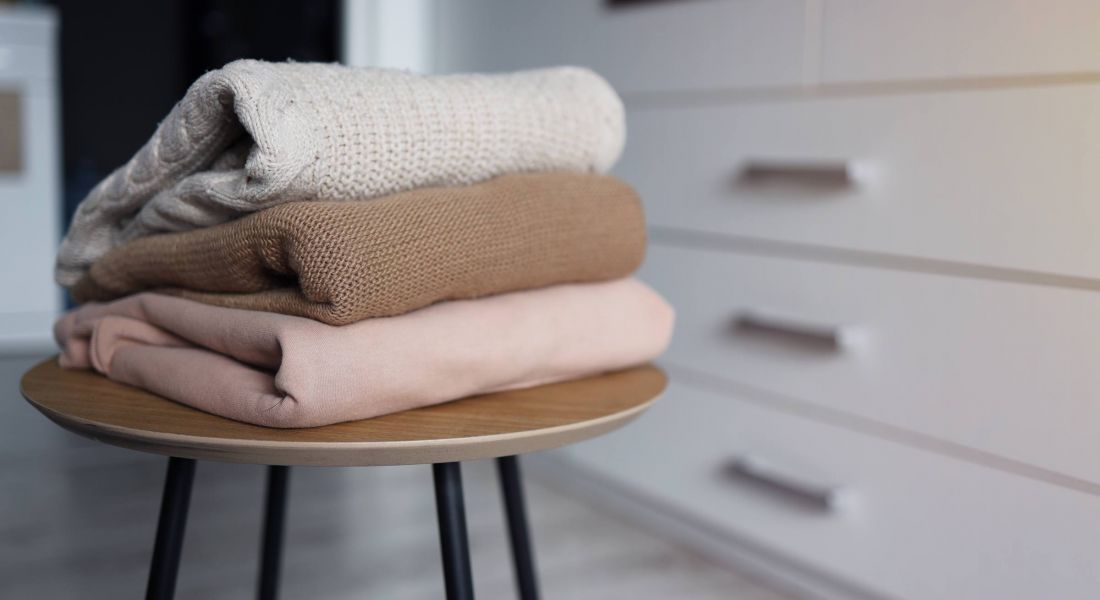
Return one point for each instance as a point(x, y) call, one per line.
point(340, 262)
point(255, 134)
point(282, 371)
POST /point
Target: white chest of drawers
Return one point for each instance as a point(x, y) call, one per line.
point(662, 47)
point(1004, 178)
point(876, 40)
point(880, 225)
point(999, 369)
point(915, 523)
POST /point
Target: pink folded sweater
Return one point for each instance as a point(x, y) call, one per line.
point(285, 371)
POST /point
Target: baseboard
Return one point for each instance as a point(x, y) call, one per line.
point(569, 476)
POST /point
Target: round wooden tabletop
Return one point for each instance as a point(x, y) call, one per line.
point(473, 428)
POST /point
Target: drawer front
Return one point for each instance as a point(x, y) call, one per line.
point(867, 40)
point(1005, 179)
point(1004, 368)
point(638, 47)
point(906, 523)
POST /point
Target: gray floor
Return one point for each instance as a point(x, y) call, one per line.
point(77, 521)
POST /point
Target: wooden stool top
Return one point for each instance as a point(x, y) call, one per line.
point(479, 427)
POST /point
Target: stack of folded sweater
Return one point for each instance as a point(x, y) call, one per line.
point(304, 244)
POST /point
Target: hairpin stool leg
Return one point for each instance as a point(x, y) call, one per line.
point(170, 528)
point(271, 545)
point(452, 531)
point(523, 558)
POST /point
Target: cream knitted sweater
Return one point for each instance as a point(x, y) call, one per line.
point(255, 134)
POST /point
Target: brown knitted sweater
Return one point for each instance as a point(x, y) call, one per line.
point(341, 262)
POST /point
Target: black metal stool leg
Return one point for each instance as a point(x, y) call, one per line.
point(170, 529)
point(523, 558)
point(452, 531)
point(271, 545)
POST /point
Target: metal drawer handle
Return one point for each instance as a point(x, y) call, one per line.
point(825, 174)
point(837, 337)
point(820, 495)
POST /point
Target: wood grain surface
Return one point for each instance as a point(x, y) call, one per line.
point(485, 426)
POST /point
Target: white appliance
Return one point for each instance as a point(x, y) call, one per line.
point(30, 192)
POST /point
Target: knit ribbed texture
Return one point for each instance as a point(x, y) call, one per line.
point(256, 134)
point(340, 262)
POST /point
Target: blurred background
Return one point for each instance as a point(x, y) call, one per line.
point(878, 222)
